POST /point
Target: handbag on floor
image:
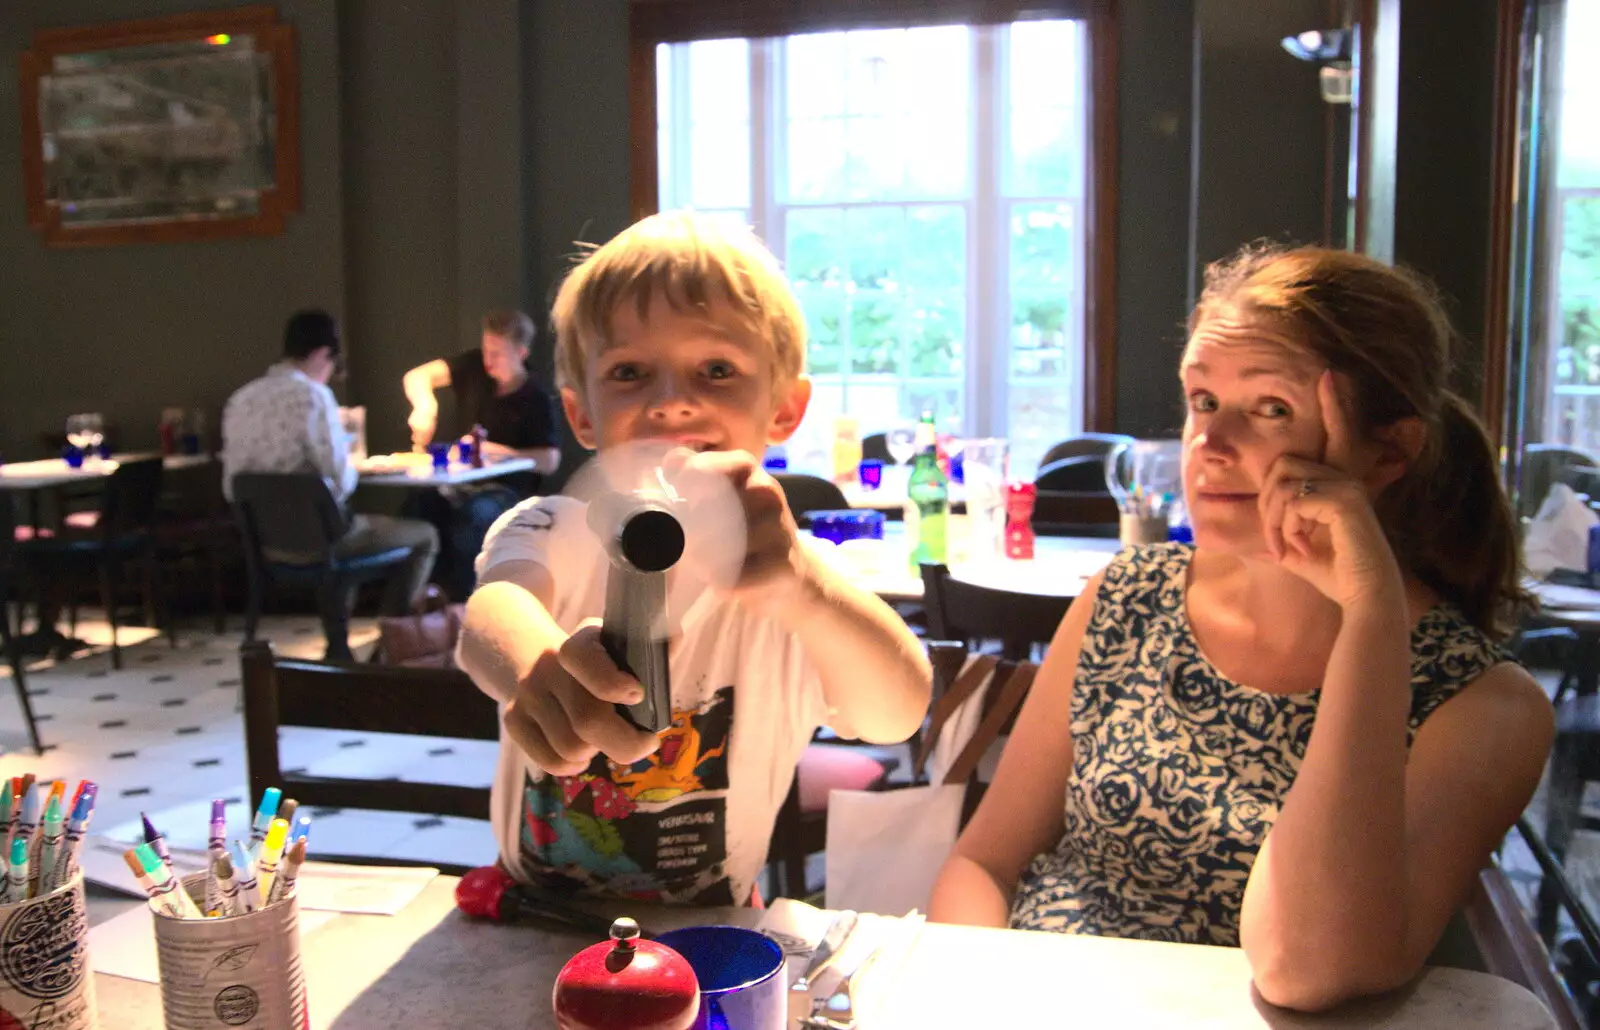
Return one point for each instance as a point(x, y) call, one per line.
point(885, 847)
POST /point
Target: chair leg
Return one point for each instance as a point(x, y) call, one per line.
point(108, 597)
point(333, 599)
point(252, 604)
point(1563, 802)
point(13, 649)
point(219, 602)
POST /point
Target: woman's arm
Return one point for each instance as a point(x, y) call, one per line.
point(1021, 813)
point(1374, 849)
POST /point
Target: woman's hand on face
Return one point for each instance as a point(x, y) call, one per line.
point(1318, 519)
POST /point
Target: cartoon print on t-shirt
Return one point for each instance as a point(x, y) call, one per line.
point(656, 829)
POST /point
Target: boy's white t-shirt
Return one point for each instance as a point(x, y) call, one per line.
point(691, 823)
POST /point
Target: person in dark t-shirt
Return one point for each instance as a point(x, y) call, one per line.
point(495, 390)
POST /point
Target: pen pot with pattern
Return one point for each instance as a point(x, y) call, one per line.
point(45, 978)
point(232, 972)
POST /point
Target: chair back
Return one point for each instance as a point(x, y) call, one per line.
point(367, 698)
point(133, 493)
point(1005, 684)
point(291, 512)
point(876, 447)
point(806, 493)
point(966, 611)
point(1074, 513)
point(8, 530)
point(1083, 473)
point(1096, 445)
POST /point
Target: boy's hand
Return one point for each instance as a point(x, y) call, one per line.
point(562, 714)
point(775, 566)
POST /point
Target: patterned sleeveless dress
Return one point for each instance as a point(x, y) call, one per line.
point(1178, 772)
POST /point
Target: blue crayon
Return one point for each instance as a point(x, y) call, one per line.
point(17, 875)
point(29, 822)
point(265, 813)
point(244, 872)
point(302, 829)
point(77, 825)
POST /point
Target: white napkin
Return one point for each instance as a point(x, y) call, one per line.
point(799, 928)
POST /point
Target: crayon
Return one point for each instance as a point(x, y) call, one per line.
point(17, 875)
point(30, 817)
point(160, 901)
point(157, 842)
point(249, 890)
point(227, 885)
point(216, 847)
point(77, 826)
point(166, 884)
point(263, 818)
point(271, 854)
point(50, 845)
point(283, 886)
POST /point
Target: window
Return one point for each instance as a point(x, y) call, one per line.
point(926, 190)
point(1553, 399)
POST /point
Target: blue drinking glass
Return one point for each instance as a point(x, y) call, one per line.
point(740, 973)
point(847, 524)
point(871, 473)
point(464, 450)
point(73, 456)
point(440, 453)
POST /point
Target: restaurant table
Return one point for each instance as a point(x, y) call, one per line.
point(1059, 568)
point(52, 472)
point(406, 472)
point(431, 967)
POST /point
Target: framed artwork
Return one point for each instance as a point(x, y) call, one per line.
point(159, 130)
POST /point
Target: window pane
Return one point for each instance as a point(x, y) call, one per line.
point(1575, 419)
point(874, 318)
point(1041, 415)
point(815, 238)
point(665, 129)
point(721, 165)
point(816, 159)
point(873, 64)
point(1045, 59)
point(935, 247)
point(824, 311)
point(719, 81)
point(937, 154)
point(1045, 239)
point(875, 235)
point(815, 74)
point(874, 161)
point(942, 397)
point(937, 73)
point(935, 324)
point(1040, 334)
point(1044, 154)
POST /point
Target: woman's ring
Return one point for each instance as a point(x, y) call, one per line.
point(1307, 486)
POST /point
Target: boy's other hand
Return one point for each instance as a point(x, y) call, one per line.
point(562, 714)
point(774, 565)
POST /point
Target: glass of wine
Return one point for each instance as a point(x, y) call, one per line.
point(902, 443)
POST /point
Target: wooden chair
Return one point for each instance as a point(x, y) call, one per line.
point(806, 493)
point(966, 611)
point(366, 698)
point(8, 636)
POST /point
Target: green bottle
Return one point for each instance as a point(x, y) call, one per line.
point(927, 508)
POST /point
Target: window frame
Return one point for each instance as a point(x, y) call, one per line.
point(652, 22)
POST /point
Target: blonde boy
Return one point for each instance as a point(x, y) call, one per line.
point(683, 331)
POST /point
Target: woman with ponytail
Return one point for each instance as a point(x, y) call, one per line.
point(1298, 734)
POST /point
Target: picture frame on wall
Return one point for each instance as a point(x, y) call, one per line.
point(173, 129)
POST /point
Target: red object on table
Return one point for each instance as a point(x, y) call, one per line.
point(479, 435)
point(626, 984)
point(1020, 500)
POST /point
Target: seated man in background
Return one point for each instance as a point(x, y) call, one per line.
point(288, 421)
point(493, 389)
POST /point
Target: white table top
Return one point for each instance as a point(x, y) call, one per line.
point(431, 967)
point(1059, 568)
point(35, 475)
point(408, 472)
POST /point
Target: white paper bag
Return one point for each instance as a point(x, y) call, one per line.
point(1558, 536)
point(885, 847)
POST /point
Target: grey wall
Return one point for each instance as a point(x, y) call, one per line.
point(453, 151)
point(126, 330)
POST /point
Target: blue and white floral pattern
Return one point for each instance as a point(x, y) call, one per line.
point(1179, 772)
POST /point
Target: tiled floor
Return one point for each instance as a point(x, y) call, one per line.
point(164, 736)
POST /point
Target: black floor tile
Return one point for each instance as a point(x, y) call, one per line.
point(38, 691)
point(228, 683)
point(186, 731)
point(135, 792)
point(104, 697)
point(357, 742)
point(427, 824)
point(174, 702)
point(124, 754)
point(213, 661)
point(163, 678)
point(439, 752)
point(204, 763)
point(113, 724)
